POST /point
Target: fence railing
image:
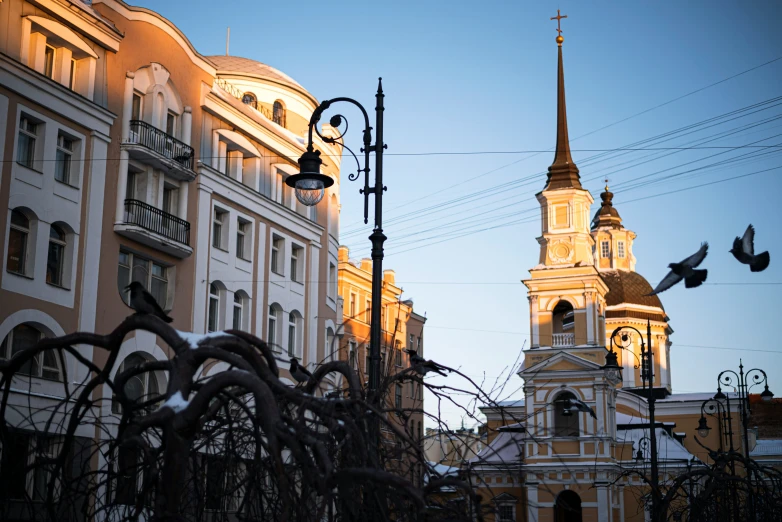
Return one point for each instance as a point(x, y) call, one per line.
point(142, 133)
point(563, 339)
point(156, 220)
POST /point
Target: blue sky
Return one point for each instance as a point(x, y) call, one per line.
point(467, 77)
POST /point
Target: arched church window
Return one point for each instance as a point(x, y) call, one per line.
point(568, 507)
point(563, 317)
point(565, 420)
point(249, 99)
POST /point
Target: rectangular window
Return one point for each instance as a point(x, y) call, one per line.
point(48, 61)
point(332, 289)
point(25, 149)
point(505, 514)
point(217, 228)
point(291, 340)
point(352, 354)
point(169, 193)
point(368, 312)
point(55, 258)
point(130, 187)
point(135, 112)
point(398, 356)
point(419, 346)
point(411, 341)
point(296, 252)
point(271, 333)
point(242, 236)
point(620, 248)
point(214, 310)
point(278, 247)
point(605, 250)
point(153, 276)
point(237, 319)
point(352, 306)
point(398, 396)
point(17, 243)
point(62, 166)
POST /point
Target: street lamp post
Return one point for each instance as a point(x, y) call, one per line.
point(310, 185)
point(647, 378)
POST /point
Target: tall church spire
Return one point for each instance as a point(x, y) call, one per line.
point(563, 173)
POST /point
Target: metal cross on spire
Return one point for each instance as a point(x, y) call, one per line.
point(559, 18)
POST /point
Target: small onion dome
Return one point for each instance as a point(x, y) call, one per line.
point(607, 215)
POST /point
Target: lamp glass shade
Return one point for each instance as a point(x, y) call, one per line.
point(766, 395)
point(703, 428)
point(309, 191)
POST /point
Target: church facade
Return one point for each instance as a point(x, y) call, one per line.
point(577, 446)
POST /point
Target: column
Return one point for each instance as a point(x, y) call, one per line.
point(534, 325)
point(590, 317)
point(628, 366)
point(313, 299)
point(532, 501)
point(201, 247)
point(62, 69)
point(122, 174)
point(603, 503)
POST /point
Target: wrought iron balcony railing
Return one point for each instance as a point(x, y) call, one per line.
point(144, 134)
point(156, 220)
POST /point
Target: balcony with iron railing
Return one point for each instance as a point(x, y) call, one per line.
point(155, 228)
point(151, 145)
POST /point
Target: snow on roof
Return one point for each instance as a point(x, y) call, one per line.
point(506, 448)
point(767, 447)
point(443, 469)
point(668, 448)
point(511, 403)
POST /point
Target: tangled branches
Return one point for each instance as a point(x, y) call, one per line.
point(226, 440)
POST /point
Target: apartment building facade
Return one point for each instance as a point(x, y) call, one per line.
point(129, 156)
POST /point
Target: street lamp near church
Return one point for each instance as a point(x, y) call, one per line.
point(647, 378)
point(310, 185)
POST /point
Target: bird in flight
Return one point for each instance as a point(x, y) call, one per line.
point(685, 270)
point(744, 250)
point(575, 404)
point(299, 372)
point(423, 366)
point(143, 302)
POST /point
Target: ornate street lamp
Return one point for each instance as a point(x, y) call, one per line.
point(310, 185)
point(643, 447)
point(612, 369)
point(703, 427)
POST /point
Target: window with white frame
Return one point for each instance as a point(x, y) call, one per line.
point(45, 365)
point(296, 263)
point(238, 311)
point(242, 239)
point(294, 334)
point(506, 512)
point(352, 354)
point(62, 165)
point(18, 243)
point(55, 260)
point(272, 332)
point(135, 111)
point(620, 248)
point(171, 120)
point(278, 249)
point(213, 317)
point(219, 226)
point(605, 250)
point(331, 346)
point(152, 275)
point(26, 145)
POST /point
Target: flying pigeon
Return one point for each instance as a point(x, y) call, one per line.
point(143, 302)
point(299, 372)
point(685, 270)
point(744, 250)
point(575, 404)
point(423, 366)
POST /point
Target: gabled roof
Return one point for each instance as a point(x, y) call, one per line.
point(579, 363)
point(506, 448)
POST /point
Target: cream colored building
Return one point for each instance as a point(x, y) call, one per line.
point(127, 155)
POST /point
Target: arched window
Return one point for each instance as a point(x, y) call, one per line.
point(273, 337)
point(56, 257)
point(249, 99)
point(278, 114)
point(563, 317)
point(45, 365)
point(567, 507)
point(565, 420)
point(295, 336)
point(213, 319)
point(18, 240)
point(139, 388)
point(241, 311)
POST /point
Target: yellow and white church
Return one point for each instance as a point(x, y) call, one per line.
point(546, 461)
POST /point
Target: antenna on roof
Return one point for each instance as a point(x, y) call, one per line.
point(227, 40)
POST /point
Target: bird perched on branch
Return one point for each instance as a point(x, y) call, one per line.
point(685, 270)
point(575, 404)
point(143, 302)
point(423, 366)
point(299, 372)
point(744, 250)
